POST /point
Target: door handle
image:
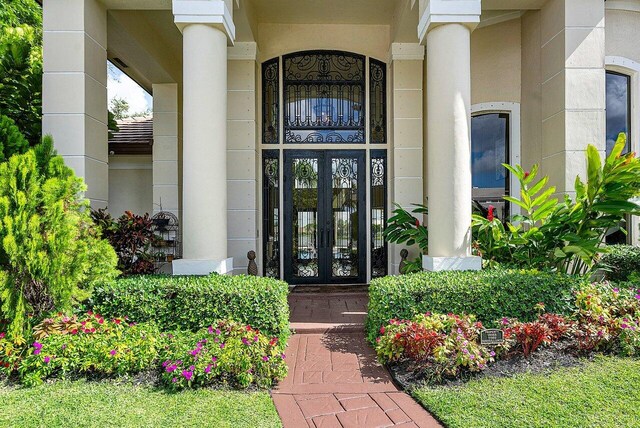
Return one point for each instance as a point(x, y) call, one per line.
point(321, 238)
point(328, 238)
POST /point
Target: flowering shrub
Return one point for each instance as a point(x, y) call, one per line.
point(226, 352)
point(89, 344)
point(609, 319)
point(444, 344)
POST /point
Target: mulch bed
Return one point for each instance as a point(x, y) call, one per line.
point(409, 375)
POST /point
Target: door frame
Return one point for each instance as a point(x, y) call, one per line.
point(325, 208)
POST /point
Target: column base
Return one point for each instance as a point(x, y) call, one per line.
point(437, 264)
point(202, 267)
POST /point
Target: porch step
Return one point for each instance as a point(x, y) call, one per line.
point(319, 313)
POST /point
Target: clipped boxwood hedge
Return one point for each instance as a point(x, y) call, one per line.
point(192, 303)
point(621, 262)
point(488, 294)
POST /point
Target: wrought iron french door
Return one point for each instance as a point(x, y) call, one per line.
point(324, 217)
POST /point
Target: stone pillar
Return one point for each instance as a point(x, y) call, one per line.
point(446, 27)
point(165, 148)
point(572, 37)
point(206, 27)
point(407, 62)
point(74, 94)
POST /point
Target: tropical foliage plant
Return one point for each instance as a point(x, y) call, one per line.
point(50, 250)
point(568, 234)
point(132, 236)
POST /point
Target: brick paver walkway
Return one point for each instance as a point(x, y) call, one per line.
point(334, 379)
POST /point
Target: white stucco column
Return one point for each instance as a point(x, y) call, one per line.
point(74, 93)
point(446, 27)
point(206, 27)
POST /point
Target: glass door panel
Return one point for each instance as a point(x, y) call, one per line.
point(344, 217)
point(305, 210)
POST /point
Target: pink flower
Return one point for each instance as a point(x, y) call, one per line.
point(265, 358)
point(113, 352)
point(255, 338)
point(505, 321)
point(47, 359)
point(527, 174)
point(222, 346)
point(171, 368)
point(2, 335)
point(382, 330)
point(616, 290)
point(214, 359)
point(207, 369)
point(187, 374)
point(210, 330)
point(282, 356)
point(244, 341)
point(174, 380)
point(492, 354)
point(166, 363)
point(218, 331)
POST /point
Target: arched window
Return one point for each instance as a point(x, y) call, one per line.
point(495, 140)
point(325, 99)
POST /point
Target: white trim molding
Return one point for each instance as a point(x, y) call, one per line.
point(628, 5)
point(513, 109)
point(406, 52)
point(630, 68)
point(439, 12)
point(211, 12)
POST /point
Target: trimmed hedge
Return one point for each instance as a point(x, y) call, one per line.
point(488, 294)
point(192, 303)
point(621, 262)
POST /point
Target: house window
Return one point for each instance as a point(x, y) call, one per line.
point(270, 98)
point(324, 97)
point(618, 108)
point(489, 150)
point(378, 101)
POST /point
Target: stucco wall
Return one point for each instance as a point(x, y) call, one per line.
point(130, 184)
point(496, 63)
point(531, 122)
point(621, 34)
point(278, 39)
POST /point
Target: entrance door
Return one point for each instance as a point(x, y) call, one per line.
point(324, 217)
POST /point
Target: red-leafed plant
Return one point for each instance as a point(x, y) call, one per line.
point(529, 335)
point(131, 236)
point(557, 324)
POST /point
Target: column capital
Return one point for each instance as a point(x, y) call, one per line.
point(209, 12)
point(438, 12)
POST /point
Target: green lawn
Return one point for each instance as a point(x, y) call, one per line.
point(603, 393)
point(105, 404)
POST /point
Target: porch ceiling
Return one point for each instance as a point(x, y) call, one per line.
point(148, 42)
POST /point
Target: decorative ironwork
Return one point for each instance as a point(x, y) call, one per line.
point(379, 248)
point(271, 213)
point(344, 213)
point(270, 101)
point(324, 95)
point(166, 247)
point(377, 101)
point(305, 195)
